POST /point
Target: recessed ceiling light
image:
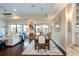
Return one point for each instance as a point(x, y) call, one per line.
point(14, 9)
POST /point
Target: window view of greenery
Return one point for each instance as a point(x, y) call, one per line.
point(25, 28)
point(43, 28)
point(19, 28)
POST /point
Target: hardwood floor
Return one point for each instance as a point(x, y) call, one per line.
point(13, 51)
point(18, 49)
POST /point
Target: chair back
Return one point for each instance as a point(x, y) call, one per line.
point(41, 39)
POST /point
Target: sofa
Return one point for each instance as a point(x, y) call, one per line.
point(12, 39)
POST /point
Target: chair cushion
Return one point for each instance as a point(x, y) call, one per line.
point(41, 39)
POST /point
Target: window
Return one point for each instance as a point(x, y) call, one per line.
point(43, 28)
point(13, 28)
point(77, 27)
point(26, 29)
point(2, 31)
point(19, 28)
point(37, 30)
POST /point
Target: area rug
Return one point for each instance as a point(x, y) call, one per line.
point(31, 51)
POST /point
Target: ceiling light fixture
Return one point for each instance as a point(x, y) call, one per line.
point(14, 9)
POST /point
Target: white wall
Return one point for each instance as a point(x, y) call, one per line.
point(59, 37)
point(2, 26)
point(2, 22)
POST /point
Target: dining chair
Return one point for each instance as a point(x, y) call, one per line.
point(41, 42)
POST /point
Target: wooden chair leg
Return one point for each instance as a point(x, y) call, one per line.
point(35, 46)
point(48, 46)
point(38, 48)
point(45, 47)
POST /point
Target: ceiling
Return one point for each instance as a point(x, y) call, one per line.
point(55, 9)
point(23, 8)
point(27, 9)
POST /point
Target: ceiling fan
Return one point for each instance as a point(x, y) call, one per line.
point(3, 11)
